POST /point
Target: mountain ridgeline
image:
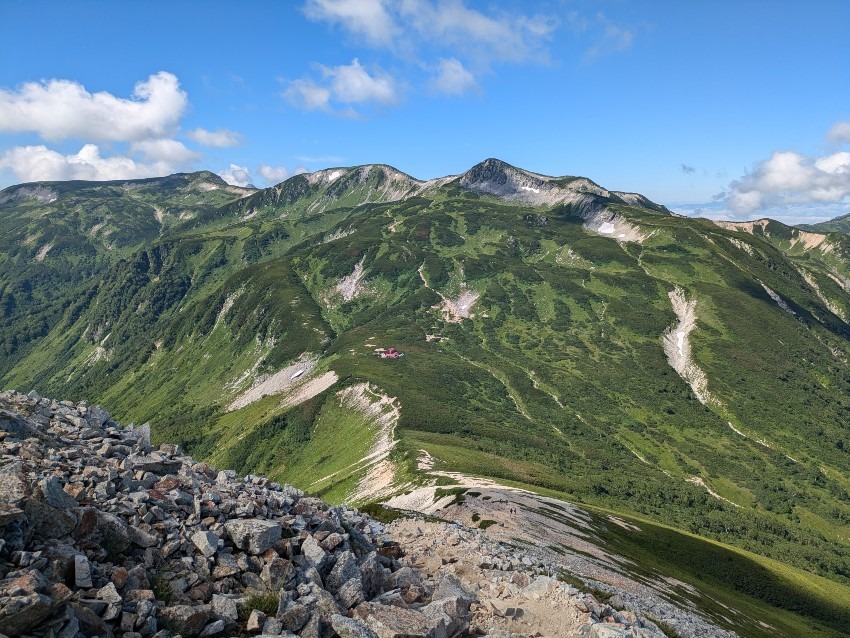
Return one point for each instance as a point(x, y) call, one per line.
point(556, 335)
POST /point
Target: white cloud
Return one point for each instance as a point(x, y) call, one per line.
point(222, 138)
point(453, 78)
point(308, 95)
point(170, 151)
point(614, 39)
point(60, 109)
point(840, 133)
point(273, 174)
point(370, 19)
point(499, 37)
point(39, 163)
point(345, 84)
point(236, 175)
point(352, 84)
point(400, 25)
point(791, 178)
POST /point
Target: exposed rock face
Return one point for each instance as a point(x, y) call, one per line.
point(100, 534)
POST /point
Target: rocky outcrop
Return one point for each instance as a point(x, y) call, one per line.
point(101, 534)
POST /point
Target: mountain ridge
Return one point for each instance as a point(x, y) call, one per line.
point(616, 354)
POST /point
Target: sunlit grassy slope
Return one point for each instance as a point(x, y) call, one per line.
point(557, 378)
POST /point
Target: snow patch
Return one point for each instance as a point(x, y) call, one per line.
point(613, 225)
point(677, 345)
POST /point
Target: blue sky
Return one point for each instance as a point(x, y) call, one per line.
point(733, 109)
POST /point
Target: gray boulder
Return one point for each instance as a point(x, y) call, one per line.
point(351, 627)
point(253, 535)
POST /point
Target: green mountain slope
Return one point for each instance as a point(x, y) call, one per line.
point(555, 334)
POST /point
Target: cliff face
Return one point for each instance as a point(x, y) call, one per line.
point(104, 535)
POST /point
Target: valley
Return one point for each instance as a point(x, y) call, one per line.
point(683, 376)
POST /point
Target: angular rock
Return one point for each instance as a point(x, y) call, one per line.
point(186, 620)
point(351, 627)
point(393, 622)
point(224, 607)
point(213, 629)
point(255, 621)
point(276, 573)
point(142, 538)
point(294, 616)
point(54, 495)
point(344, 569)
point(253, 535)
point(206, 542)
point(159, 464)
point(372, 576)
point(314, 554)
point(28, 603)
point(351, 593)
point(82, 572)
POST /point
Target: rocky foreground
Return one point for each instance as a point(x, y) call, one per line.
point(102, 535)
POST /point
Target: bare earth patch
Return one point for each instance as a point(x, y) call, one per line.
point(454, 310)
point(349, 287)
point(276, 383)
point(554, 531)
point(677, 345)
point(383, 411)
point(309, 389)
point(42, 252)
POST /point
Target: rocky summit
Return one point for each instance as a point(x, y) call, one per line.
point(104, 535)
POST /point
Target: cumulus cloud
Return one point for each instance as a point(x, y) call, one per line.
point(345, 84)
point(60, 109)
point(164, 150)
point(687, 169)
point(273, 174)
point(222, 138)
point(39, 163)
point(453, 78)
point(236, 175)
point(791, 178)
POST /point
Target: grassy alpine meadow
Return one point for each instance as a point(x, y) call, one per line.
point(691, 375)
